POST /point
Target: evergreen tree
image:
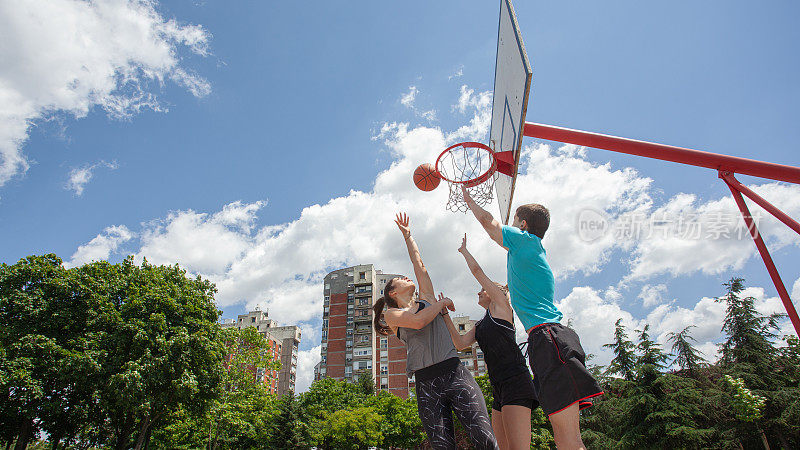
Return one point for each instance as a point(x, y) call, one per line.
point(286, 429)
point(686, 356)
point(624, 362)
point(747, 352)
point(651, 357)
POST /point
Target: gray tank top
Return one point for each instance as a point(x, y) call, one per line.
point(427, 346)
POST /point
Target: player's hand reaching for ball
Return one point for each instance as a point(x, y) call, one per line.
point(401, 219)
point(463, 247)
point(467, 198)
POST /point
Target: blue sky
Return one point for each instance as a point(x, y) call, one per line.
point(264, 144)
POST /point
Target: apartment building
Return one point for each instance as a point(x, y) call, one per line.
point(284, 343)
point(350, 345)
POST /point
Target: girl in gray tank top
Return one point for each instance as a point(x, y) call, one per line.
point(443, 385)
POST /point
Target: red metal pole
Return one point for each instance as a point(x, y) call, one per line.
point(780, 215)
point(762, 249)
point(663, 152)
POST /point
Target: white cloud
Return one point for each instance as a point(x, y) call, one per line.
point(652, 295)
point(707, 237)
point(480, 106)
point(72, 55)
point(201, 243)
point(593, 316)
point(102, 246)
point(79, 177)
point(306, 360)
point(796, 290)
point(458, 73)
point(408, 98)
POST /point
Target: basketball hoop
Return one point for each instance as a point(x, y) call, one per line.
point(471, 165)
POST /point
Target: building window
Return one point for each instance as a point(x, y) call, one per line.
point(252, 320)
point(384, 343)
point(384, 370)
point(362, 276)
point(362, 352)
point(461, 327)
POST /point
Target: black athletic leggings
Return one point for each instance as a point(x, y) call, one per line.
point(454, 391)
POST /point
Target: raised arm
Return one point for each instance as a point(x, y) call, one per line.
point(496, 295)
point(396, 318)
point(492, 226)
point(425, 285)
point(459, 341)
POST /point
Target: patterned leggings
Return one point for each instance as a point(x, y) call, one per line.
point(455, 391)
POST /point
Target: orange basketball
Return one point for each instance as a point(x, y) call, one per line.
point(426, 178)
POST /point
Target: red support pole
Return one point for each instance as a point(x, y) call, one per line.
point(663, 152)
point(780, 215)
point(762, 249)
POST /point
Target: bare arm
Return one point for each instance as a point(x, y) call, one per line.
point(492, 226)
point(396, 318)
point(420, 272)
point(496, 295)
point(459, 341)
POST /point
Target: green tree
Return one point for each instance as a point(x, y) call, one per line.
point(366, 382)
point(686, 356)
point(400, 423)
point(624, 362)
point(747, 352)
point(48, 374)
point(287, 431)
point(236, 416)
point(651, 359)
point(352, 428)
point(157, 340)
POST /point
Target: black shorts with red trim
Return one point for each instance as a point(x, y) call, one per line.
point(560, 378)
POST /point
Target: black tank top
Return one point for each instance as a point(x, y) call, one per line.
point(499, 345)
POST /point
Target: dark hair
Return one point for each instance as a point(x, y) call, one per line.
point(537, 218)
point(377, 322)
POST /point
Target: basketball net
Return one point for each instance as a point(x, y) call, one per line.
point(468, 164)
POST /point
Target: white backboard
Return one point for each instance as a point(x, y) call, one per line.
point(512, 83)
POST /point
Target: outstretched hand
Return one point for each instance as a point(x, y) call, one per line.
point(467, 198)
point(401, 219)
point(463, 247)
point(446, 304)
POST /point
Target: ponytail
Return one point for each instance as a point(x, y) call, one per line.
point(380, 325)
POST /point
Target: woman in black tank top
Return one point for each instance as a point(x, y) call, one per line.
point(512, 386)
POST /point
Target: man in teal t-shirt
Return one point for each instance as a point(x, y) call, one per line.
point(561, 382)
point(530, 280)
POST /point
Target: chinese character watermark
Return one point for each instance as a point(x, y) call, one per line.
point(593, 225)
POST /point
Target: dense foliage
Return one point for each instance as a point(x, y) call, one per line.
point(749, 399)
point(131, 356)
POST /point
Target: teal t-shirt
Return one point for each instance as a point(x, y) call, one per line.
point(530, 280)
